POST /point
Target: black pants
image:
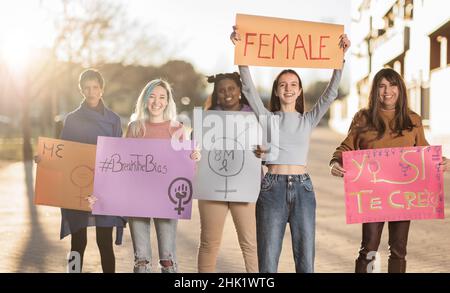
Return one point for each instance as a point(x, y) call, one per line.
point(104, 243)
point(398, 239)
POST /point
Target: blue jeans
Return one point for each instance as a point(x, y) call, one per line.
point(283, 199)
point(166, 230)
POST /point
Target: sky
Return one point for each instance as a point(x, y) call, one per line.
point(204, 27)
point(199, 29)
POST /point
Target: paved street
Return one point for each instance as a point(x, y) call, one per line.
point(30, 234)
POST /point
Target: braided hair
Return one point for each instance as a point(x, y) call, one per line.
point(211, 101)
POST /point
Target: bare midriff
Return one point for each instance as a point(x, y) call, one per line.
point(287, 169)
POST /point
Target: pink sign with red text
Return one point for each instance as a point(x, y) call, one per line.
point(393, 184)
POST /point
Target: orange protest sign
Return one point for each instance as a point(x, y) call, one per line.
point(268, 41)
point(65, 174)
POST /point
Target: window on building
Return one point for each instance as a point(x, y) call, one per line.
point(389, 19)
point(439, 52)
point(409, 9)
point(425, 102)
point(398, 64)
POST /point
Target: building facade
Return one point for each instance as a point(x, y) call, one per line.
point(410, 36)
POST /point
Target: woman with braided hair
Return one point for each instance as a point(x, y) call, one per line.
point(227, 96)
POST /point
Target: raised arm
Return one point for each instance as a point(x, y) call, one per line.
point(250, 92)
point(331, 92)
point(325, 100)
point(248, 88)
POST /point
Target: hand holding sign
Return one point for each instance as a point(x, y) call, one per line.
point(344, 42)
point(196, 155)
point(337, 170)
point(260, 152)
point(444, 164)
point(235, 36)
point(37, 159)
point(91, 200)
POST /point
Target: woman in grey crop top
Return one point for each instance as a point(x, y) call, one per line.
point(287, 193)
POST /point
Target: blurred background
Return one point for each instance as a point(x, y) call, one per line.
point(45, 44)
point(410, 36)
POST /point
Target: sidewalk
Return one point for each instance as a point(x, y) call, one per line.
point(30, 234)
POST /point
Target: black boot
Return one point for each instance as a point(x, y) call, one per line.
point(396, 266)
point(361, 265)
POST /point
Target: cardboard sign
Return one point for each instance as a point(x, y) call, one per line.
point(393, 184)
point(139, 177)
point(65, 174)
point(228, 170)
point(268, 41)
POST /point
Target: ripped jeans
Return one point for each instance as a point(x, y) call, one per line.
point(166, 230)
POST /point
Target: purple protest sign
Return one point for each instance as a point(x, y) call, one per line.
point(138, 177)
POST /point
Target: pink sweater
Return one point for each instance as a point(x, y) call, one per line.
point(161, 130)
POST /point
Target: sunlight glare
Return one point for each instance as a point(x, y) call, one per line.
point(21, 36)
point(15, 49)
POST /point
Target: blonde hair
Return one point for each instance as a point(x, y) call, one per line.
point(141, 113)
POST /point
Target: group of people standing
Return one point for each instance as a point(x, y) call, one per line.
point(286, 194)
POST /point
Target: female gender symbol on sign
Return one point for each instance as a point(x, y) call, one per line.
point(226, 163)
point(82, 177)
point(180, 193)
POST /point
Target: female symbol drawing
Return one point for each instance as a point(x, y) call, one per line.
point(226, 163)
point(82, 177)
point(180, 193)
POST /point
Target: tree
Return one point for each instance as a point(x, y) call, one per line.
point(89, 33)
point(94, 33)
point(186, 82)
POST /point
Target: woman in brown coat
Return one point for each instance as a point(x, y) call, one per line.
point(386, 122)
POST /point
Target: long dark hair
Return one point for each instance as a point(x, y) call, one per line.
point(211, 101)
point(401, 121)
point(275, 105)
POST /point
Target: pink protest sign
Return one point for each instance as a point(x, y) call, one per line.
point(393, 184)
point(138, 177)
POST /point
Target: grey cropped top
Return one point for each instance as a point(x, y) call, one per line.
point(291, 145)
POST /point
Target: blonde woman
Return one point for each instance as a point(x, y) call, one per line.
point(154, 117)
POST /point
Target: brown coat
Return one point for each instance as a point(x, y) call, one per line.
point(367, 140)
